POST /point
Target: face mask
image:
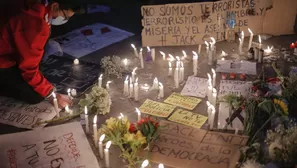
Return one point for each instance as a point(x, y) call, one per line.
point(58, 21)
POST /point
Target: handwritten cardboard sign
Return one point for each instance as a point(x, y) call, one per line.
point(156, 108)
point(224, 114)
point(59, 146)
point(188, 118)
point(195, 86)
point(176, 148)
point(19, 114)
point(239, 88)
point(183, 101)
point(229, 66)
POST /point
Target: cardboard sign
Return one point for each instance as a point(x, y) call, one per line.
point(195, 86)
point(59, 146)
point(229, 66)
point(239, 88)
point(175, 148)
point(188, 118)
point(19, 114)
point(224, 114)
point(183, 101)
point(156, 108)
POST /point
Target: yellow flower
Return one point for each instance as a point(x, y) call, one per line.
point(128, 137)
point(140, 137)
point(110, 122)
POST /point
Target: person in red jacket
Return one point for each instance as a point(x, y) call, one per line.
point(22, 40)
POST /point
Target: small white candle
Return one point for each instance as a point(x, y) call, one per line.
point(95, 130)
point(209, 92)
point(207, 47)
point(242, 36)
point(240, 46)
point(153, 53)
point(131, 93)
point(214, 96)
point(100, 80)
point(161, 90)
point(125, 63)
point(126, 86)
point(69, 92)
point(199, 48)
point(195, 64)
point(177, 62)
point(209, 79)
point(141, 59)
point(176, 78)
point(134, 74)
point(208, 112)
point(56, 106)
point(155, 84)
point(135, 50)
point(106, 153)
point(138, 114)
point(73, 92)
point(136, 88)
point(251, 38)
point(260, 42)
point(76, 62)
point(107, 85)
point(87, 120)
point(144, 164)
point(184, 54)
point(170, 69)
point(101, 139)
point(213, 77)
point(181, 72)
point(163, 55)
point(213, 112)
point(161, 165)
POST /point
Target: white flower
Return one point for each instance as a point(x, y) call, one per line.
point(251, 164)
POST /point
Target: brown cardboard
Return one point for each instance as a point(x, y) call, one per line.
point(224, 139)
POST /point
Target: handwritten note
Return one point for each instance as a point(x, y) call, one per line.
point(59, 146)
point(183, 101)
point(19, 114)
point(239, 88)
point(229, 66)
point(156, 108)
point(195, 87)
point(188, 118)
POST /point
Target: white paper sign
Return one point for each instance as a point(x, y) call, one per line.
point(19, 114)
point(224, 114)
point(63, 146)
point(195, 87)
point(236, 87)
point(229, 66)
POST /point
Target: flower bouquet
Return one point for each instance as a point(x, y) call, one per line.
point(130, 137)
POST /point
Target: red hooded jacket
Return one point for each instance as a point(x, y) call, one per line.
point(22, 41)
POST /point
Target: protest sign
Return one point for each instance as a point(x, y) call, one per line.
point(156, 108)
point(188, 118)
point(183, 101)
point(229, 66)
point(174, 147)
point(22, 115)
point(195, 86)
point(235, 87)
point(225, 113)
point(59, 146)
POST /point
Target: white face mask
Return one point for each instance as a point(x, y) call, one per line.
point(58, 20)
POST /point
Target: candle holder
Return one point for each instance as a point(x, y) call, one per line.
point(242, 76)
point(232, 75)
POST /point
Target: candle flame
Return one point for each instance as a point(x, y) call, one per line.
point(68, 90)
point(268, 50)
point(133, 46)
point(171, 57)
point(125, 61)
point(145, 163)
point(214, 90)
point(160, 84)
point(102, 137)
point(161, 165)
point(54, 95)
point(86, 110)
point(108, 82)
point(194, 53)
point(213, 109)
point(169, 63)
point(95, 119)
point(213, 40)
point(101, 76)
point(66, 108)
point(138, 111)
point(223, 59)
point(250, 31)
point(156, 79)
point(148, 48)
point(141, 49)
point(207, 103)
point(213, 71)
point(242, 34)
point(209, 77)
point(206, 43)
point(260, 40)
point(182, 64)
point(177, 57)
point(127, 78)
point(108, 145)
point(185, 54)
point(134, 70)
point(224, 53)
point(122, 115)
point(136, 80)
point(162, 53)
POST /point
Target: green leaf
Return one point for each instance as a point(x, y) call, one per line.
point(267, 106)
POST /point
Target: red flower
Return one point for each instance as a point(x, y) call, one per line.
point(254, 88)
point(157, 125)
point(132, 128)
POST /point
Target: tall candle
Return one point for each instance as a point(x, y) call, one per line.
point(163, 55)
point(177, 62)
point(240, 46)
point(144, 164)
point(56, 104)
point(209, 79)
point(138, 114)
point(126, 86)
point(260, 42)
point(100, 80)
point(135, 50)
point(195, 64)
point(213, 77)
point(209, 92)
point(214, 96)
point(134, 74)
point(161, 90)
point(181, 72)
point(95, 131)
point(184, 54)
point(101, 139)
point(176, 78)
point(170, 69)
point(155, 84)
point(199, 48)
point(125, 63)
point(242, 37)
point(251, 38)
point(153, 52)
point(207, 47)
point(141, 59)
point(87, 120)
point(107, 84)
point(106, 153)
point(136, 88)
point(213, 111)
point(131, 95)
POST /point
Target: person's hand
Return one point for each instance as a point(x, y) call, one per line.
point(63, 100)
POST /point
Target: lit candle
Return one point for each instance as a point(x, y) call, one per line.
point(210, 56)
point(125, 63)
point(213, 77)
point(73, 92)
point(135, 50)
point(138, 114)
point(209, 79)
point(207, 47)
point(214, 96)
point(121, 116)
point(199, 48)
point(251, 38)
point(268, 51)
point(224, 54)
point(292, 46)
point(170, 69)
point(177, 62)
point(185, 54)
point(181, 72)
point(153, 52)
point(95, 131)
point(131, 95)
point(171, 58)
point(145, 87)
point(107, 84)
point(242, 36)
point(76, 62)
point(136, 90)
point(69, 94)
point(161, 165)
point(260, 42)
point(87, 120)
point(195, 64)
point(209, 92)
point(56, 104)
point(209, 112)
point(240, 46)
point(141, 59)
point(68, 110)
point(106, 153)
point(155, 84)
point(133, 74)
point(126, 86)
point(176, 78)
point(144, 164)
point(163, 55)
point(101, 139)
point(161, 90)
point(213, 111)
point(100, 80)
